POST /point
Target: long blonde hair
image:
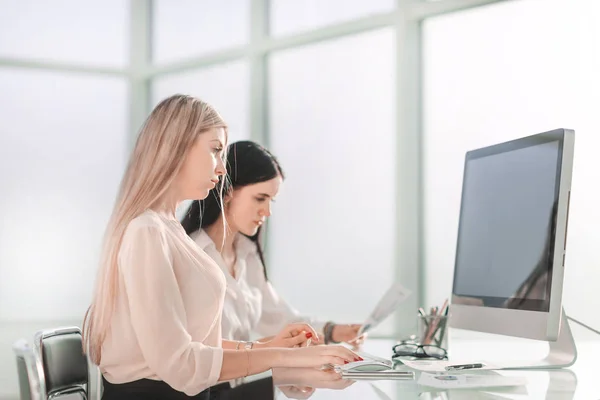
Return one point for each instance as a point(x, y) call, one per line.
point(160, 150)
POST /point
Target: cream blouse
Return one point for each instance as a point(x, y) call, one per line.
point(167, 319)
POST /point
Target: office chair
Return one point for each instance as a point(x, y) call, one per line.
point(30, 386)
point(64, 367)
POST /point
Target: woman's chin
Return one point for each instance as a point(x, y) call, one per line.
point(202, 194)
point(251, 231)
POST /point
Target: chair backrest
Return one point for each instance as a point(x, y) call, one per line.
point(64, 365)
point(30, 386)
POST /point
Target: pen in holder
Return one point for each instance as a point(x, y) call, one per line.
point(432, 327)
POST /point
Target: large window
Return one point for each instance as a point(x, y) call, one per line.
point(63, 148)
point(64, 143)
point(290, 16)
point(189, 28)
point(225, 86)
point(500, 72)
point(66, 31)
point(333, 224)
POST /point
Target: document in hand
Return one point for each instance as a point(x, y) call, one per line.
point(389, 303)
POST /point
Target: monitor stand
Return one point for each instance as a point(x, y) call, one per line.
point(562, 352)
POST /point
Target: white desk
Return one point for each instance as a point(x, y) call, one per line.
point(581, 381)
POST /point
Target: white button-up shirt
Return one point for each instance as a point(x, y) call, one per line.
point(252, 307)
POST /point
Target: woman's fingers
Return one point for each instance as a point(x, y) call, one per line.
point(345, 354)
point(306, 328)
point(298, 340)
point(329, 375)
point(340, 359)
point(335, 360)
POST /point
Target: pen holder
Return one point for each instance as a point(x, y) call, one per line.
point(432, 330)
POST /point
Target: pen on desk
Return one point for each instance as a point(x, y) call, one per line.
point(463, 366)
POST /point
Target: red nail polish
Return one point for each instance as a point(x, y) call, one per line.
point(308, 335)
point(361, 359)
point(345, 362)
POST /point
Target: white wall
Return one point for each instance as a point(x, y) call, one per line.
point(497, 73)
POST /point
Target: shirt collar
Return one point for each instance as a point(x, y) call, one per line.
point(244, 246)
point(202, 239)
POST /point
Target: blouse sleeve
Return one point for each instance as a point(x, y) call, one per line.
point(158, 315)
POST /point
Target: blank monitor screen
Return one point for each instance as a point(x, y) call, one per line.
point(505, 241)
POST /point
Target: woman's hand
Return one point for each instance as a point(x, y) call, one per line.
point(300, 383)
point(318, 356)
point(293, 335)
point(304, 392)
point(310, 377)
point(348, 334)
point(297, 392)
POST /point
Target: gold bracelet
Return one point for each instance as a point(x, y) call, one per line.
point(248, 365)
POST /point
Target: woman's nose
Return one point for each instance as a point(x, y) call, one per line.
point(267, 210)
point(220, 170)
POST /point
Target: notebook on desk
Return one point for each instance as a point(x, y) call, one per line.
point(372, 369)
point(369, 362)
point(379, 375)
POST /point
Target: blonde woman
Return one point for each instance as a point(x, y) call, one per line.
point(154, 325)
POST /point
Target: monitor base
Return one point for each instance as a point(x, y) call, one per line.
point(561, 354)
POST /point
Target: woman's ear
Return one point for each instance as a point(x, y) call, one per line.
point(227, 197)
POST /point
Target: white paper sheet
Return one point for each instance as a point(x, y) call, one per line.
point(440, 365)
point(469, 381)
point(389, 303)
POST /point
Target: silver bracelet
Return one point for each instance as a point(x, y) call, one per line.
point(328, 332)
point(248, 345)
point(237, 346)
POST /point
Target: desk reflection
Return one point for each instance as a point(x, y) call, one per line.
point(309, 383)
point(301, 383)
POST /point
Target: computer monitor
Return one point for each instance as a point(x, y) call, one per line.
point(510, 252)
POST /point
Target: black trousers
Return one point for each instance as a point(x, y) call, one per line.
point(261, 389)
point(146, 389)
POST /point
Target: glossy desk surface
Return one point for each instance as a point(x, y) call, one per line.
point(581, 381)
